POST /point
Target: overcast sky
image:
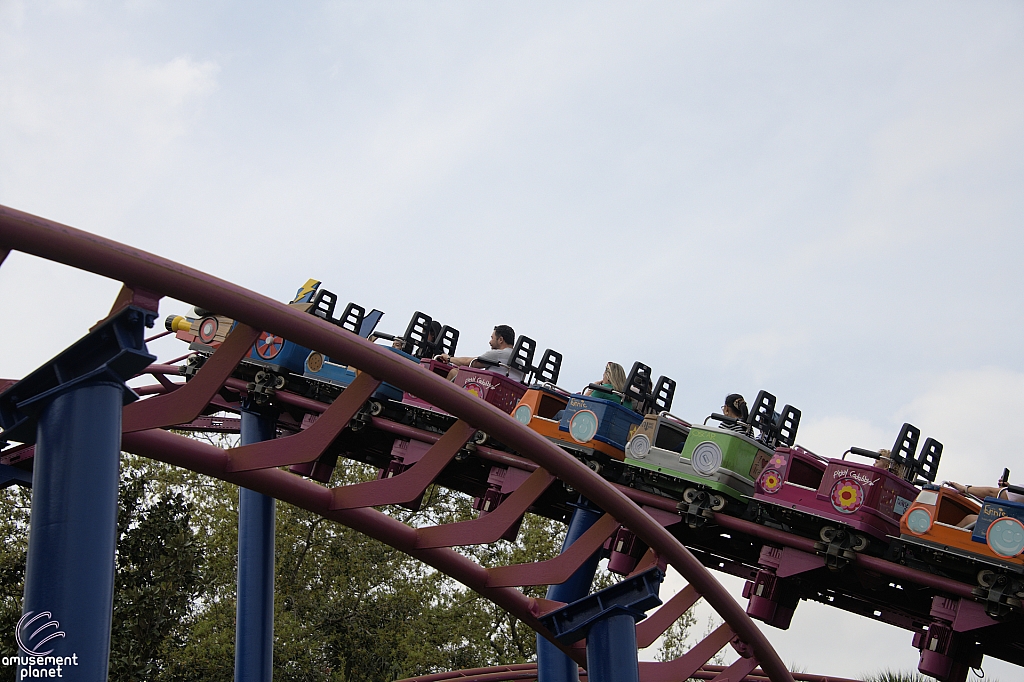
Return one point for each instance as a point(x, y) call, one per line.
point(820, 199)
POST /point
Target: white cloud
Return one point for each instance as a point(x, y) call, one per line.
point(157, 103)
point(107, 130)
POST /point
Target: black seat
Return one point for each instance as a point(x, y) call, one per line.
point(324, 303)
point(786, 426)
point(521, 359)
point(664, 391)
point(903, 450)
point(352, 318)
point(638, 386)
point(447, 340)
point(416, 333)
point(547, 370)
point(926, 464)
point(762, 415)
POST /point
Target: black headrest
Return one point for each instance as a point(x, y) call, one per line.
point(416, 333)
point(324, 303)
point(786, 425)
point(926, 464)
point(447, 340)
point(522, 354)
point(352, 318)
point(546, 371)
point(638, 384)
point(444, 341)
point(663, 393)
point(762, 413)
point(906, 445)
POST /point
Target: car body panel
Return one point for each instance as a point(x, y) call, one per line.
point(946, 508)
point(493, 387)
point(864, 497)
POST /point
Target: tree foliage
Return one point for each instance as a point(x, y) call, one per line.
point(346, 606)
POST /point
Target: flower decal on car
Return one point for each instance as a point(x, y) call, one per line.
point(777, 461)
point(771, 481)
point(847, 495)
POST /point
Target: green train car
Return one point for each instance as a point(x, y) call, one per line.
point(708, 468)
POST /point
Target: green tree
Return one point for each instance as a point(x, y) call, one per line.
point(347, 608)
point(157, 577)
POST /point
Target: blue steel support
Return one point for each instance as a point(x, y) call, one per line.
point(71, 409)
point(611, 650)
point(607, 619)
point(69, 575)
point(552, 664)
point(254, 622)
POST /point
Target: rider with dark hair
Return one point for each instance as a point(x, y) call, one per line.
point(502, 340)
point(432, 343)
point(505, 333)
point(735, 408)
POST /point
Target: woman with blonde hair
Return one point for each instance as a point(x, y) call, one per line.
point(614, 378)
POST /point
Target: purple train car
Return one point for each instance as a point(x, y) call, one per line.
point(849, 506)
point(494, 385)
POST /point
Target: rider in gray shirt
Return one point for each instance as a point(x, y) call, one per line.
point(502, 340)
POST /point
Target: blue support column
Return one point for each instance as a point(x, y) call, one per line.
point(254, 615)
point(69, 575)
point(71, 409)
point(552, 664)
point(611, 650)
point(607, 619)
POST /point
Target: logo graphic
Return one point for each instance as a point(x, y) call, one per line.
point(268, 345)
point(771, 481)
point(36, 630)
point(847, 495)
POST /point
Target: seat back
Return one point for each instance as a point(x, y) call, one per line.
point(522, 355)
point(663, 393)
point(903, 450)
point(926, 464)
point(324, 302)
point(762, 413)
point(786, 426)
point(546, 371)
point(352, 318)
point(638, 386)
point(447, 341)
point(416, 333)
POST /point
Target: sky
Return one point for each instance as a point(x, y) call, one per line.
point(823, 200)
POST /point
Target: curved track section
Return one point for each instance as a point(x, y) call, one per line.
point(148, 277)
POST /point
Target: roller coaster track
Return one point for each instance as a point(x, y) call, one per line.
point(528, 671)
point(257, 466)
